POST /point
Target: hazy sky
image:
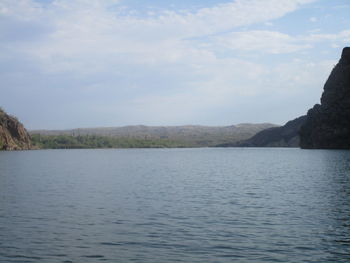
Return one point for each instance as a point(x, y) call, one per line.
point(86, 63)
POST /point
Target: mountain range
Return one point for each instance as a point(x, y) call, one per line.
point(326, 126)
point(189, 135)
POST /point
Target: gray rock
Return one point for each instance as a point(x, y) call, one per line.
point(327, 125)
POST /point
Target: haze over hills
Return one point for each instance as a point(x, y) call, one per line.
point(326, 125)
point(190, 135)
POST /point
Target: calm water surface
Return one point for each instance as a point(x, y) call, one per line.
point(175, 205)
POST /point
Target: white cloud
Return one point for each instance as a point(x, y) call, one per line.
point(262, 41)
point(335, 40)
point(225, 87)
point(89, 36)
point(341, 6)
point(343, 36)
point(313, 19)
point(166, 65)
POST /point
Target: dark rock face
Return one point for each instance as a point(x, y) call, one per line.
point(284, 136)
point(13, 136)
point(327, 125)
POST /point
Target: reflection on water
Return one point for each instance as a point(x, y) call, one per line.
point(175, 205)
point(337, 208)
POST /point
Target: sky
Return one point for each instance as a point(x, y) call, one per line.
point(98, 63)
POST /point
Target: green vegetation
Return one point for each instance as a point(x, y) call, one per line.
point(93, 142)
point(141, 136)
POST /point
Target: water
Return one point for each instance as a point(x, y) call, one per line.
point(175, 205)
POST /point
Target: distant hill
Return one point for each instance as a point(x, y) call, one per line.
point(284, 136)
point(189, 135)
point(13, 135)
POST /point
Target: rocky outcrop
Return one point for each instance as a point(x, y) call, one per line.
point(327, 125)
point(284, 136)
point(13, 135)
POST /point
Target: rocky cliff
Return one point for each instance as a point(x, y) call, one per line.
point(327, 125)
point(284, 136)
point(13, 136)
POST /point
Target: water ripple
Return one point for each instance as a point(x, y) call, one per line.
point(184, 205)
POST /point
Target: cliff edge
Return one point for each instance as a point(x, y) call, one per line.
point(13, 135)
point(327, 125)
